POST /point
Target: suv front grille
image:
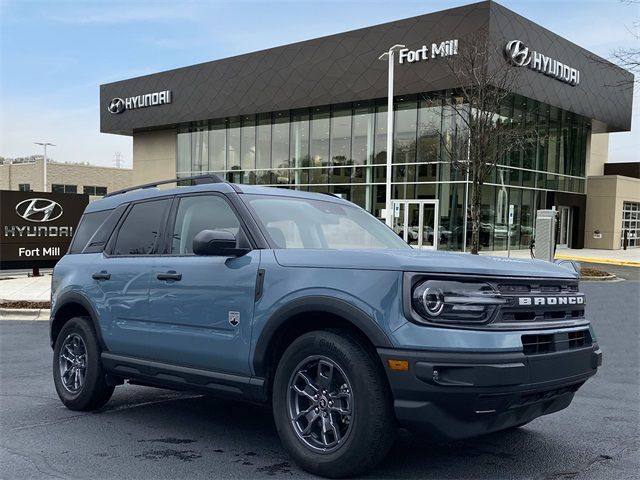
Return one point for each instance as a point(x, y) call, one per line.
point(540, 301)
point(555, 342)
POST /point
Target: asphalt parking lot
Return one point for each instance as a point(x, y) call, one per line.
point(146, 433)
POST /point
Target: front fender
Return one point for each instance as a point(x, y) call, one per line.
point(316, 303)
point(369, 300)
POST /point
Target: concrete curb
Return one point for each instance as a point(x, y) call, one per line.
point(40, 314)
point(624, 263)
point(599, 279)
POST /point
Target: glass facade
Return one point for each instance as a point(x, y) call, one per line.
point(342, 149)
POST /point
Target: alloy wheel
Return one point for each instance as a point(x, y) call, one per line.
point(72, 361)
point(320, 403)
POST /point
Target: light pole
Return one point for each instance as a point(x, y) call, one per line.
point(45, 144)
point(390, 56)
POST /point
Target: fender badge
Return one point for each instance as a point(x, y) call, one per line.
point(234, 318)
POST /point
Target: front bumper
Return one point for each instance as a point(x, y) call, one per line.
point(456, 395)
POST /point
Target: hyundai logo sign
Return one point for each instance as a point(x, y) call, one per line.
point(118, 105)
point(39, 210)
point(519, 55)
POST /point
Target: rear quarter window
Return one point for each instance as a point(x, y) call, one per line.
point(89, 224)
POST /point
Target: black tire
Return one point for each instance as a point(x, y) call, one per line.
point(520, 425)
point(371, 427)
point(92, 391)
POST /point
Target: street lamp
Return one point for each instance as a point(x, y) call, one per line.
point(390, 56)
point(45, 144)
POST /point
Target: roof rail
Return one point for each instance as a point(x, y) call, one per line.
point(197, 180)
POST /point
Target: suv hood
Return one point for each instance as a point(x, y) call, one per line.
point(429, 261)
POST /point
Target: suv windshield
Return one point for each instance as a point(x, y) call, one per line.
point(294, 222)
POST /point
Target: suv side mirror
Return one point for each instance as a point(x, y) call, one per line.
point(217, 243)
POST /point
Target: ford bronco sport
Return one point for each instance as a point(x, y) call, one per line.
point(309, 303)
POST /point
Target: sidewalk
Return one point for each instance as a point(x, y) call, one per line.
point(37, 289)
point(630, 257)
point(20, 287)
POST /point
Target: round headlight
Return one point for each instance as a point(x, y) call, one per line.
point(433, 300)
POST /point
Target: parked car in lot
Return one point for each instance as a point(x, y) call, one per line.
point(307, 302)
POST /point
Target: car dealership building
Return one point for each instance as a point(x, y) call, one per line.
point(313, 116)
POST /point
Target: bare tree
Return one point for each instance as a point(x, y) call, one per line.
point(486, 132)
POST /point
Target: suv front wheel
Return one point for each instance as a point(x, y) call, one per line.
point(77, 370)
point(332, 406)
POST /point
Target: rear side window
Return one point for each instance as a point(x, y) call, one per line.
point(197, 213)
point(89, 223)
point(140, 232)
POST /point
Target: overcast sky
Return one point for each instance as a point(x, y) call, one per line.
point(55, 54)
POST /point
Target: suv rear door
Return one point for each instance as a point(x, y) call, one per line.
point(202, 306)
point(121, 277)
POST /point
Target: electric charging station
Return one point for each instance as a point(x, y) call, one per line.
point(546, 224)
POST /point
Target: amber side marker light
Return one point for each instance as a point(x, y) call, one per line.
point(399, 365)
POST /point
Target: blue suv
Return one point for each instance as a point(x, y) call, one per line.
point(309, 303)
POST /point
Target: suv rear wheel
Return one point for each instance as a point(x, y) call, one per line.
point(77, 370)
point(332, 406)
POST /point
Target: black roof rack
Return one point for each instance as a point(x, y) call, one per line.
point(197, 180)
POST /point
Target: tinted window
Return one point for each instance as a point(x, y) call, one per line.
point(139, 233)
point(203, 212)
point(88, 225)
point(101, 237)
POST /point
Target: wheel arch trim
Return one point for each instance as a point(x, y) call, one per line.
point(79, 299)
point(311, 304)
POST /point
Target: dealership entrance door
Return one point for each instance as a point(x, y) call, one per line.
point(416, 221)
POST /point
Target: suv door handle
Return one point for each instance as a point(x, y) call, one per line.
point(103, 275)
point(170, 275)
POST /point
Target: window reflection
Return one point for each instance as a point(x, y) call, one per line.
point(342, 149)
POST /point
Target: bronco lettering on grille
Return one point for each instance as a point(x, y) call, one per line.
point(541, 301)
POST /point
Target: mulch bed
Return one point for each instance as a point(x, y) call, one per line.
point(590, 272)
point(25, 304)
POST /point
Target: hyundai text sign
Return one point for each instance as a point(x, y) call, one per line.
point(119, 105)
point(36, 228)
point(519, 55)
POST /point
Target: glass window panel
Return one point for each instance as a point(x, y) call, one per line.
point(554, 141)
point(233, 144)
point(248, 149)
point(217, 146)
point(263, 142)
point(200, 149)
point(299, 147)
point(141, 230)
point(198, 213)
point(319, 145)
point(280, 147)
point(487, 218)
point(405, 130)
point(380, 141)
point(515, 199)
point(340, 145)
point(501, 217)
point(527, 218)
point(184, 153)
point(363, 135)
point(451, 216)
